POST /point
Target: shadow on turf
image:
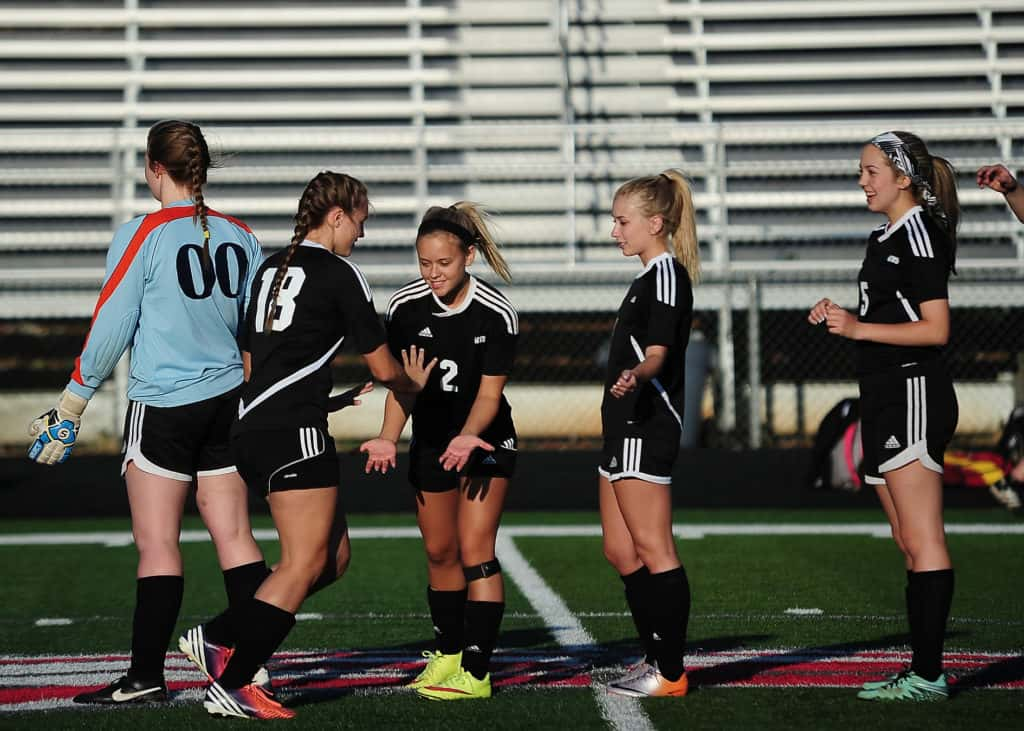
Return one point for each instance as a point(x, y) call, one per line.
point(1005, 671)
point(580, 660)
point(740, 670)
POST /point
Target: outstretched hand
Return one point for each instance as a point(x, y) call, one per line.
point(380, 454)
point(459, 450)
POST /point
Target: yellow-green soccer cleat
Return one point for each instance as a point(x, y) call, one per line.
point(909, 686)
point(458, 687)
point(439, 667)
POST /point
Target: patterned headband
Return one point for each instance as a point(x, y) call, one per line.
point(899, 153)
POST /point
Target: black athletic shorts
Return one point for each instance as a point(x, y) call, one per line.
point(641, 454)
point(181, 441)
point(275, 460)
point(427, 475)
point(907, 413)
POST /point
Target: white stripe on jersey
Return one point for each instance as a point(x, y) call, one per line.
point(411, 291)
point(657, 383)
point(666, 282)
point(289, 380)
point(362, 280)
point(495, 300)
point(920, 242)
point(911, 315)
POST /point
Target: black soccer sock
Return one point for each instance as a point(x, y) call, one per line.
point(934, 596)
point(482, 622)
point(670, 613)
point(638, 597)
point(157, 602)
point(448, 613)
point(241, 584)
point(262, 628)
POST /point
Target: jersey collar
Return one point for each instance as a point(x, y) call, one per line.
point(179, 204)
point(890, 230)
point(315, 245)
point(447, 311)
point(653, 263)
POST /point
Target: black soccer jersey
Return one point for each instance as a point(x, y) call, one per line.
point(475, 339)
point(324, 299)
point(657, 310)
point(906, 264)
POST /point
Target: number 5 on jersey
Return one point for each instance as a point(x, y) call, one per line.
point(290, 288)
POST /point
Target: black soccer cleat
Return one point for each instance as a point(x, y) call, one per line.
point(125, 690)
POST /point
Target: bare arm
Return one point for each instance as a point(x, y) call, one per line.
point(931, 329)
point(246, 364)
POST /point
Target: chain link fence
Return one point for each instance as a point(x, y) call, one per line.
point(759, 374)
point(781, 223)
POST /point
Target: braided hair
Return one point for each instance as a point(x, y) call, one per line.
point(325, 191)
point(181, 148)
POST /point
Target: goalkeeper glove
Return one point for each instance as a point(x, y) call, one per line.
point(55, 431)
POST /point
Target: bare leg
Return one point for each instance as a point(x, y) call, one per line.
point(303, 519)
point(481, 502)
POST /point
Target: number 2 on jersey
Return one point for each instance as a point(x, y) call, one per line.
point(451, 369)
point(290, 288)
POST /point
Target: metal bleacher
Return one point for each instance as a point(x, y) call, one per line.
point(538, 108)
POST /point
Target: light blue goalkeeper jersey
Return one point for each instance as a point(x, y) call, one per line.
point(180, 319)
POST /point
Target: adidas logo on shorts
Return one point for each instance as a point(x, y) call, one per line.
point(613, 464)
point(488, 460)
point(892, 443)
point(425, 333)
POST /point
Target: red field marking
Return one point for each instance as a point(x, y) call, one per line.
point(48, 682)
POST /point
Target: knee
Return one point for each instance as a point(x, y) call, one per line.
point(306, 567)
point(156, 545)
point(622, 556)
point(442, 554)
point(654, 550)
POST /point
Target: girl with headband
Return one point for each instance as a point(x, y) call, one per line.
point(908, 406)
point(463, 450)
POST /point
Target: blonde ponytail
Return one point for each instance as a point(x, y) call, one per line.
point(668, 195)
point(480, 220)
point(471, 224)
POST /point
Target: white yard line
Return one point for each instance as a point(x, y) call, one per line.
point(568, 631)
point(682, 530)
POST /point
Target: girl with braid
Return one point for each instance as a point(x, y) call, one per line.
point(908, 406)
point(654, 220)
point(463, 450)
point(306, 300)
point(174, 292)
